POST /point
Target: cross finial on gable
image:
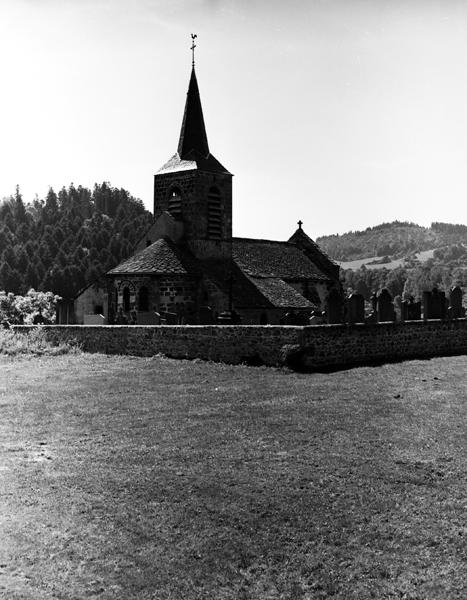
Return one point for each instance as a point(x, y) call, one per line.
point(300, 223)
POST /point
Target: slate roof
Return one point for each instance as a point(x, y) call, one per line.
point(193, 132)
point(193, 148)
point(265, 258)
point(280, 294)
point(254, 292)
point(260, 269)
point(192, 160)
point(161, 257)
point(315, 253)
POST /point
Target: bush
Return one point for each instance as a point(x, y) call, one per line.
point(33, 342)
point(23, 309)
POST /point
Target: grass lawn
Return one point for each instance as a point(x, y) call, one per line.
point(134, 478)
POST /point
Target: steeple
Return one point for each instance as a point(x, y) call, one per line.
point(193, 186)
point(193, 140)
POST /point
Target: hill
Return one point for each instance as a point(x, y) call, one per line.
point(404, 257)
point(397, 239)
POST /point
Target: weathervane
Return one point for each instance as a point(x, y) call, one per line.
point(193, 46)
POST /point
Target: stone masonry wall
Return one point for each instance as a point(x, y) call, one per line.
point(339, 345)
point(221, 343)
point(309, 347)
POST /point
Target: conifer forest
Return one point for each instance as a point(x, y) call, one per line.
point(68, 239)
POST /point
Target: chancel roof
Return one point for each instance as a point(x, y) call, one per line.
point(161, 257)
point(254, 292)
point(265, 258)
point(280, 294)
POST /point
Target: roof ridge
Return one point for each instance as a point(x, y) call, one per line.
point(259, 240)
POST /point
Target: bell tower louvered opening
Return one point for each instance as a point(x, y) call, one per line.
point(214, 215)
point(175, 203)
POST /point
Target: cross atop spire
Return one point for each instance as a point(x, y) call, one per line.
point(193, 136)
point(193, 46)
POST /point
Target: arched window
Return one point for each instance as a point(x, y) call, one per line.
point(126, 299)
point(214, 215)
point(143, 299)
point(175, 203)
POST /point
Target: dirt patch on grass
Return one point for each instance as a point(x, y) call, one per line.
point(127, 477)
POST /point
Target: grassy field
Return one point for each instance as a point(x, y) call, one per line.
point(133, 478)
point(394, 264)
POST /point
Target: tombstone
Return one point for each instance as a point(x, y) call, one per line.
point(356, 308)
point(404, 310)
point(426, 303)
point(316, 318)
point(411, 310)
point(206, 315)
point(415, 311)
point(434, 304)
point(292, 318)
point(169, 318)
point(225, 318)
point(455, 310)
point(438, 306)
point(371, 318)
point(301, 318)
point(385, 307)
point(334, 307)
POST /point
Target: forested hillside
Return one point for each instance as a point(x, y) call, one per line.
point(397, 239)
point(446, 267)
point(67, 240)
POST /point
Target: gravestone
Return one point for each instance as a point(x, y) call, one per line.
point(438, 300)
point(411, 310)
point(434, 304)
point(169, 318)
point(316, 318)
point(206, 315)
point(291, 318)
point(356, 308)
point(456, 310)
point(334, 307)
point(385, 307)
point(426, 303)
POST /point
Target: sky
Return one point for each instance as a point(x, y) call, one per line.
point(342, 113)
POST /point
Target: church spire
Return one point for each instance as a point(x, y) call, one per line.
point(193, 136)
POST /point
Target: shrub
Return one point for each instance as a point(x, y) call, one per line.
point(33, 342)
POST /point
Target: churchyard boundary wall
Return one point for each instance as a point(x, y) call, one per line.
point(309, 347)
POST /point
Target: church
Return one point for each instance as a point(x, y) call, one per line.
point(189, 269)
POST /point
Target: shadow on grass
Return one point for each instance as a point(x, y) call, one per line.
point(301, 366)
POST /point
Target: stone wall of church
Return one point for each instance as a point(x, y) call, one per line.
point(194, 186)
point(93, 300)
point(312, 347)
point(170, 293)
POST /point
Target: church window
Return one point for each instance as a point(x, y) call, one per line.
point(175, 203)
point(143, 300)
point(126, 299)
point(214, 215)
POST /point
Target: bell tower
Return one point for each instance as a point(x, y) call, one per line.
point(193, 186)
